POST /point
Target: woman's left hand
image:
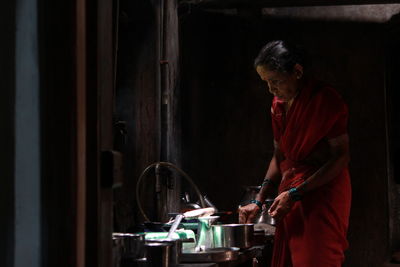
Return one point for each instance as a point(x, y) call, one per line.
point(281, 206)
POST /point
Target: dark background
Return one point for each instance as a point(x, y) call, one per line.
point(227, 138)
point(222, 109)
point(178, 76)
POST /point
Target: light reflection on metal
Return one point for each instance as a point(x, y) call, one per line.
point(354, 13)
point(205, 232)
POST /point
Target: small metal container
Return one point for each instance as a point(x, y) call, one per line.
point(233, 235)
point(175, 251)
point(263, 216)
point(158, 254)
point(211, 255)
point(131, 245)
point(117, 248)
point(205, 232)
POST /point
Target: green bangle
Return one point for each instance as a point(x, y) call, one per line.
point(294, 194)
point(268, 181)
point(258, 203)
point(265, 182)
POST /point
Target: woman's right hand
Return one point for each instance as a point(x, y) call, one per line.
point(248, 213)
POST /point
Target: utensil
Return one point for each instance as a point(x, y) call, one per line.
point(205, 220)
point(131, 245)
point(211, 255)
point(158, 254)
point(233, 235)
point(204, 212)
point(205, 235)
point(263, 216)
point(189, 215)
point(116, 251)
point(177, 221)
point(175, 251)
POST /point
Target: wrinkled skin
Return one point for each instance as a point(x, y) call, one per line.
point(248, 213)
point(279, 208)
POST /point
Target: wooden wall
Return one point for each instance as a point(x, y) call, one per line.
point(227, 139)
point(7, 139)
point(147, 88)
point(61, 48)
point(137, 103)
point(393, 94)
point(226, 133)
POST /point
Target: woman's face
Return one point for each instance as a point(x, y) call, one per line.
point(280, 84)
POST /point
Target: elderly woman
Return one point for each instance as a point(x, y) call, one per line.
point(309, 165)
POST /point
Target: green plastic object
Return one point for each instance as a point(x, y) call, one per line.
point(185, 225)
point(179, 234)
point(188, 237)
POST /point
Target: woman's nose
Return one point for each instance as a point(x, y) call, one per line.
point(271, 89)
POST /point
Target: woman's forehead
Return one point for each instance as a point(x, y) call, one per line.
point(265, 73)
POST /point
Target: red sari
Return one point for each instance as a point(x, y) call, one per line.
point(313, 233)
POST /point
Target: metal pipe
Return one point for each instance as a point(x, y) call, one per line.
point(170, 165)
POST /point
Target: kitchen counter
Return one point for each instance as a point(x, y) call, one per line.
point(198, 264)
point(260, 254)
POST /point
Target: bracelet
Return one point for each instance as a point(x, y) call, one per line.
point(268, 181)
point(265, 182)
point(294, 194)
point(258, 203)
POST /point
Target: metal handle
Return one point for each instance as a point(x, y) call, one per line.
point(177, 221)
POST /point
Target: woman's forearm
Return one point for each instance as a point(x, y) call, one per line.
point(331, 169)
point(274, 175)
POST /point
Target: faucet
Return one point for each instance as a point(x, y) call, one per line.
point(169, 165)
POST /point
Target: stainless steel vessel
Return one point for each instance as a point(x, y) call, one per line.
point(158, 254)
point(174, 250)
point(205, 233)
point(233, 235)
point(263, 216)
point(130, 245)
point(211, 255)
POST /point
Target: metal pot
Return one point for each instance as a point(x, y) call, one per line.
point(130, 245)
point(173, 252)
point(263, 216)
point(117, 247)
point(233, 235)
point(158, 254)
point(205, 238)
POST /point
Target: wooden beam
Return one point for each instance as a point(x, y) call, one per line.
point(80, 124)
point(7, 138)
point(281, 3)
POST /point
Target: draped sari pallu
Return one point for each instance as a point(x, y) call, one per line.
point(313, 233)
